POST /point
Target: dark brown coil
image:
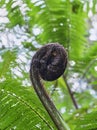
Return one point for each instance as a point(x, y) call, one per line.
point(51, 61)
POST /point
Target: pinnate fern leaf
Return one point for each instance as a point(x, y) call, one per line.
point(20, 109)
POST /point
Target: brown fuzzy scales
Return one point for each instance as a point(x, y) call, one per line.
point(51, 61)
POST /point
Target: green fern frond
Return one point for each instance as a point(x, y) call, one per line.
point(21, 109)
point(14, 14)
point(87, 122)
point(8, 58)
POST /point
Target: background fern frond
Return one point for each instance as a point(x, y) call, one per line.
point(21, 109)
point(87, 122)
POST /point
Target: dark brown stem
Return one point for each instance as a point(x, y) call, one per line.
point(70, 92)
point(42, 64)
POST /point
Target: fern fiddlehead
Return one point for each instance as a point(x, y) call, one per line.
point(48, 63)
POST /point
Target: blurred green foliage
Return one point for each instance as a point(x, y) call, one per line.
point(27, 25)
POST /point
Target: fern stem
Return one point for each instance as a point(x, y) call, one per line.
point(40, 90)
point(70, 92)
